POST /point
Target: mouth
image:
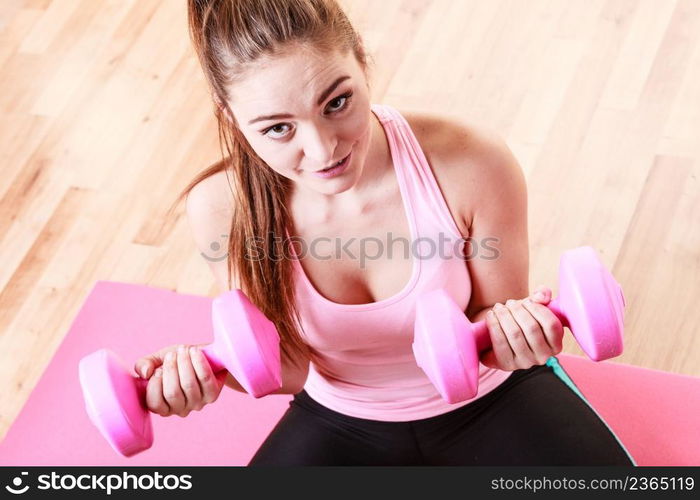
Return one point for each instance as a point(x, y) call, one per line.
point(336, 164)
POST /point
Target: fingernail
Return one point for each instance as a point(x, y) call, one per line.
point(143, 371)
point(181, 349)
point(193, 350)
point(159, 372)
point(170, 356)
point(539, 296)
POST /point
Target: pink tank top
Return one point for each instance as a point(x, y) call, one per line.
point(362, 362)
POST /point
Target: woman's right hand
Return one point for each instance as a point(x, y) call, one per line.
point(180, 380)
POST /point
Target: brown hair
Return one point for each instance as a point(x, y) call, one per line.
point(229, 36)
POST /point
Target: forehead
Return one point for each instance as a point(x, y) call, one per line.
point(282, 83)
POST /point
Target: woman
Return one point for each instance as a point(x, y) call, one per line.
point(311, 158)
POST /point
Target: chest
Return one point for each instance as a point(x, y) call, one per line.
point(361, 259)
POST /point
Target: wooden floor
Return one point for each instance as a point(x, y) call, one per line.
point(104, 117)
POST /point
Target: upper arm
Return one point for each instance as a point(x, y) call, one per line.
point(498, 251)
point(487, 195)
point(487, 191)
point(209, 212)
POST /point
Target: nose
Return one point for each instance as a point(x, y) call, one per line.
point(319, 146)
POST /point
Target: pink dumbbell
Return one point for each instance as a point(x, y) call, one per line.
point(447, 346)
point(245, 343)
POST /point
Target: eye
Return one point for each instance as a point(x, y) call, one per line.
point(345, 100)
point(273, 128)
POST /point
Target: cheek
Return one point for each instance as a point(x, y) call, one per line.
point(355, 128)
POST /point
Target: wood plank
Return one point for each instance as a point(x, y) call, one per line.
point(105, 116)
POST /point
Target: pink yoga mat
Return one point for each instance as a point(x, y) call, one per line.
point(653, 413)
point(133, 320)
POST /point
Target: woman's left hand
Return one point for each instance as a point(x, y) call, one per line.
point(524, 333)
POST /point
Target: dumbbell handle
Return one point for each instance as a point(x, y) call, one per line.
point(210, 354)
point(481, 331)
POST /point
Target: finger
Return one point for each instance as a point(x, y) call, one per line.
point(551, 325)
point(154, 394)
point(188, 379)
point(210, 384)
point(522, 353)
point(488, 359)
point(144, 366)
point(500, 347)
point(541, 295)
point(534, 334)
point(172, 392)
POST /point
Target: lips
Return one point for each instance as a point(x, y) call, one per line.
point(334, 164)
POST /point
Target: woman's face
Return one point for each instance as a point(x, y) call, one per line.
point(325, 105)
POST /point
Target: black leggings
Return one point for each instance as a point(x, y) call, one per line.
point(536, 417)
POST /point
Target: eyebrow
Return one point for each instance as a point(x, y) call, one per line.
point(321, 98)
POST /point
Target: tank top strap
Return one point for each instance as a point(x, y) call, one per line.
point(422, 188)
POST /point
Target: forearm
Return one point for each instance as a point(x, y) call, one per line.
point(293, 379)
point(230, 381)
point(479, 315)
point(233, 383)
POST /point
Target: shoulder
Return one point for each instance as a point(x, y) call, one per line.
point(470, 162)
point(211, 195)
point(209, 214)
